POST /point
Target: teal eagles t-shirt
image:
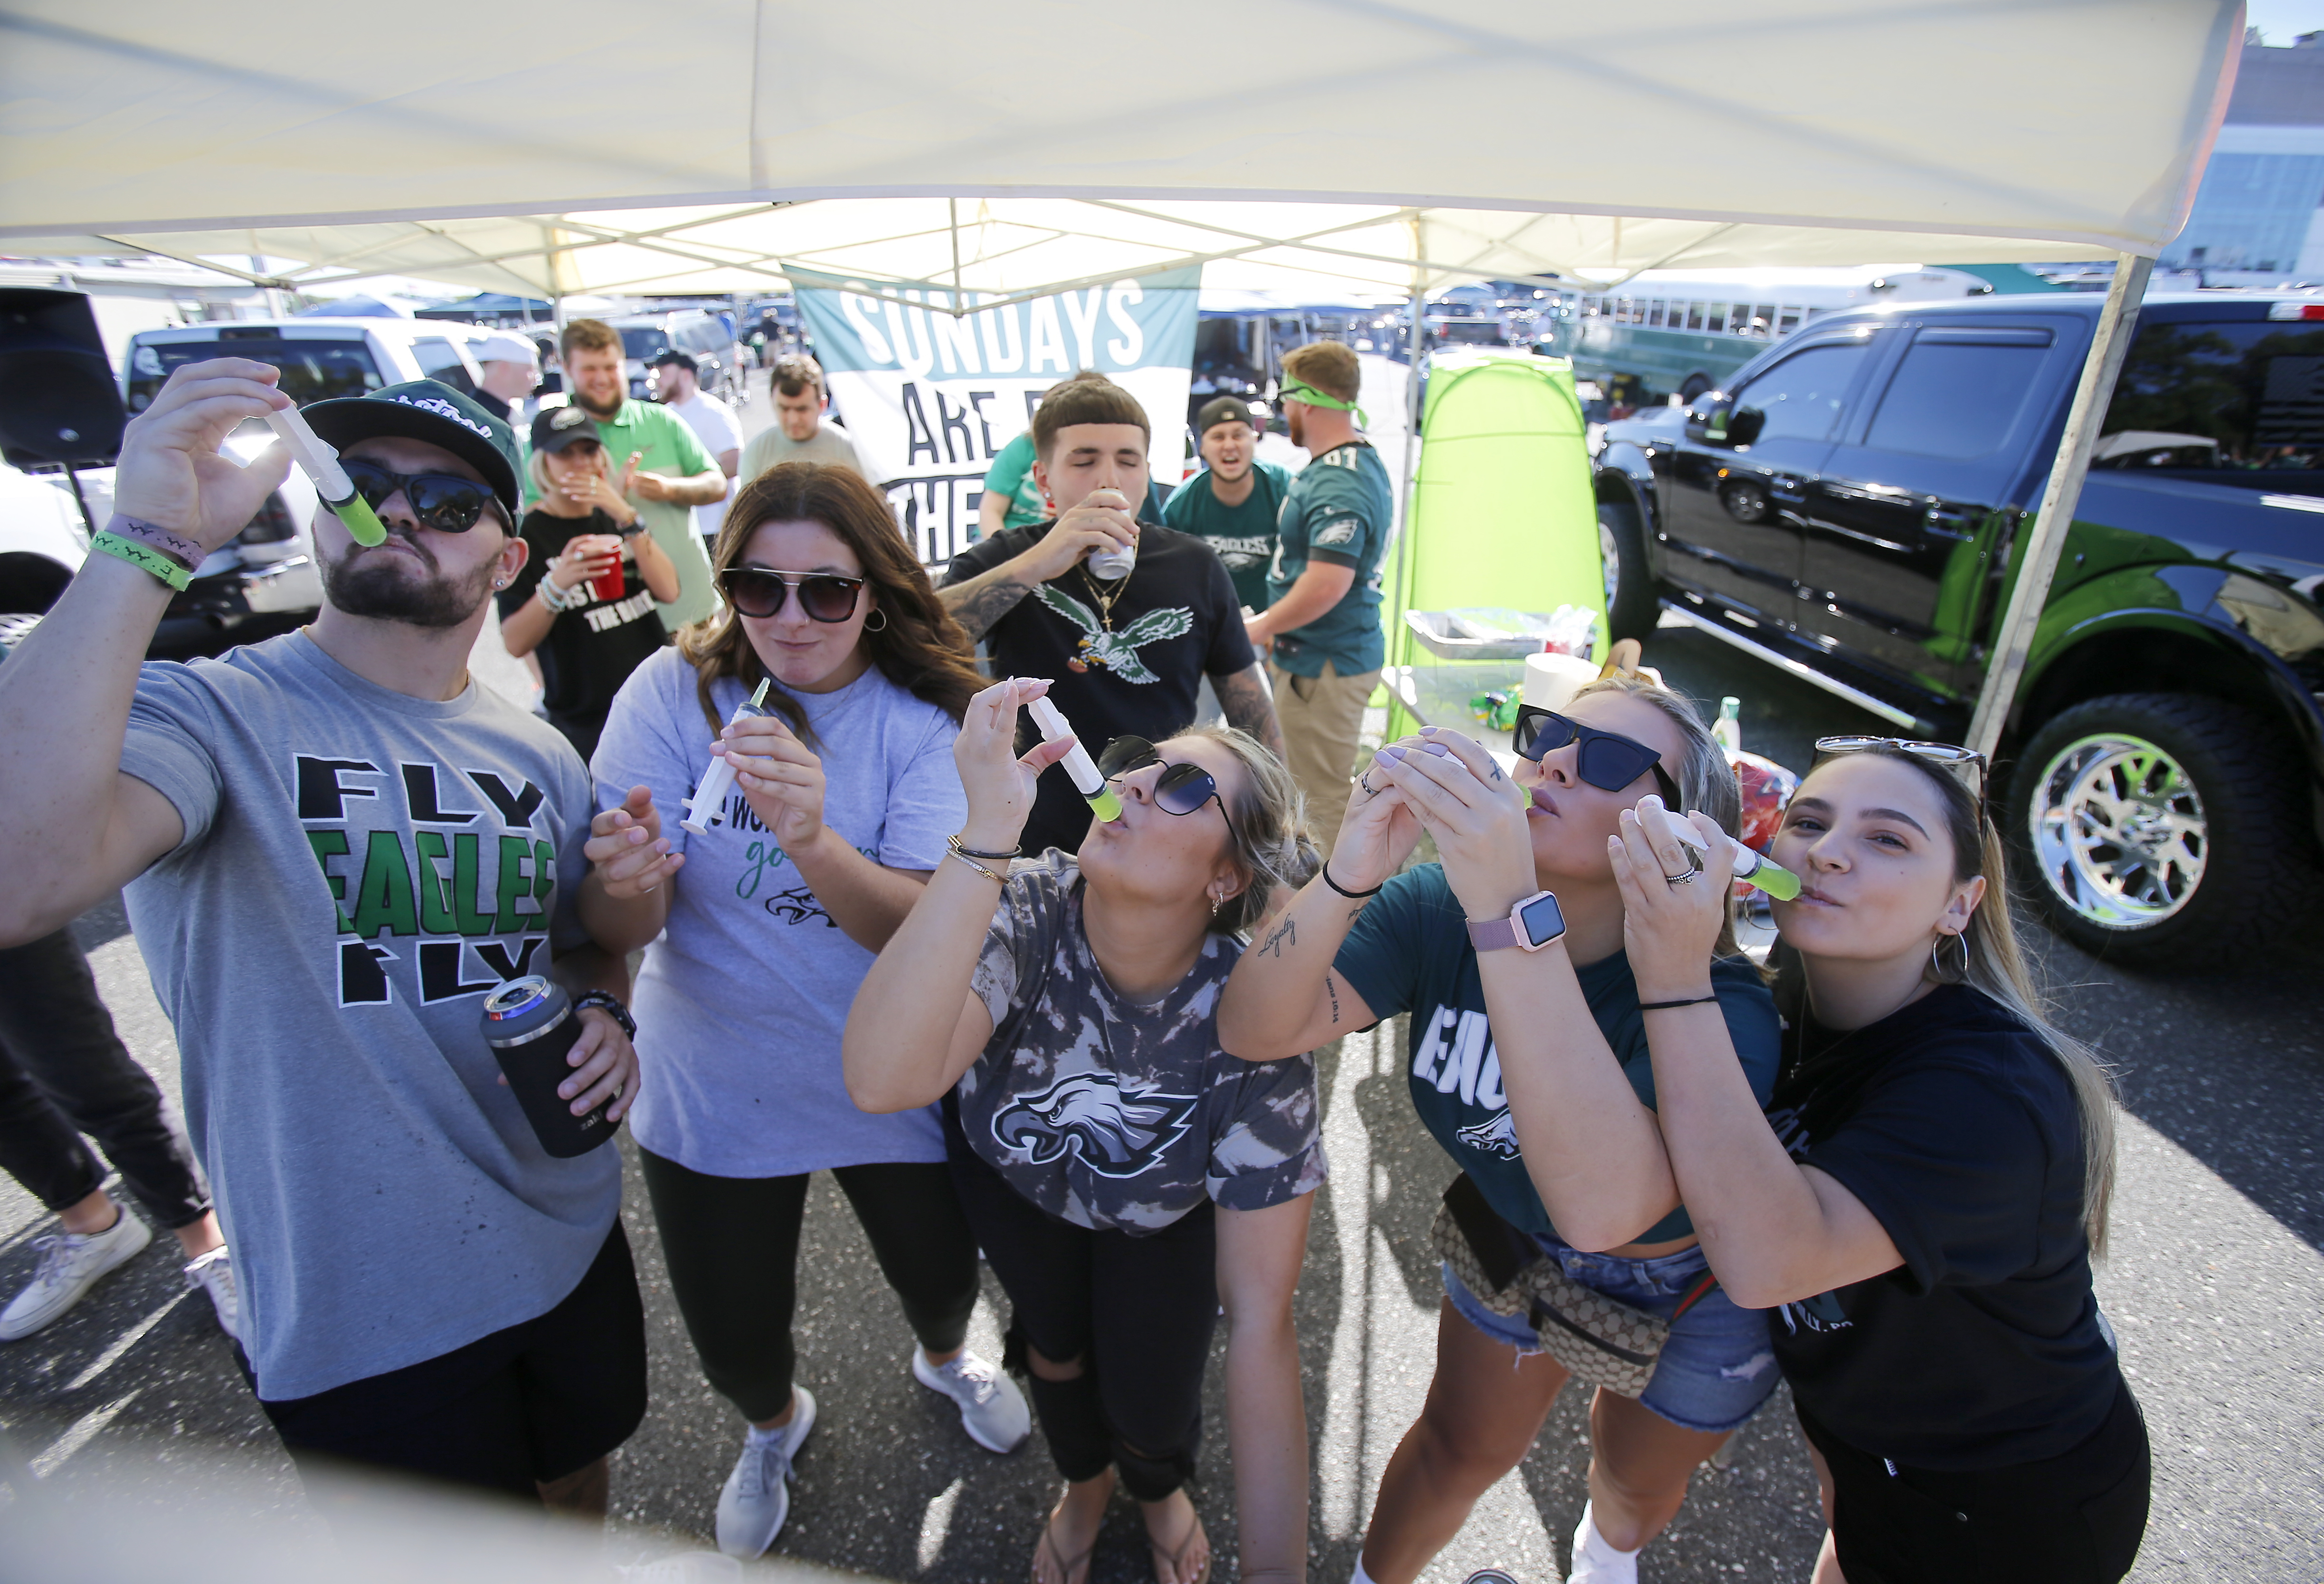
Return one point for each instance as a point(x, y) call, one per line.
point(1243, 535)
point(1410, 952)
point(1011, 475)
point(1337, 511)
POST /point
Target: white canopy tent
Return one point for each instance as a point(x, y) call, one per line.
point(1018, 147)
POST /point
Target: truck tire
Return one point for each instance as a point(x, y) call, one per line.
point(1631, 610)
point(1696, 385)
point(2162, 829)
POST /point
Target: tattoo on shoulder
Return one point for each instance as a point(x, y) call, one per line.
point(1285, 933)
point(1333, 992)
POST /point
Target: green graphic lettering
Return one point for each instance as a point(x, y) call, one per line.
point(434, 911)
point(544, 867)
point(467, 866)
point(383, 898)
point(515, 883)
point(761, 855)
point(329, 844)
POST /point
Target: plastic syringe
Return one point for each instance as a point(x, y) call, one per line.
point(1751, 867)
point(710, 797)
point(1086, 778)
point(331, 481)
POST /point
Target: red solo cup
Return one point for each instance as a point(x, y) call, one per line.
point(608, 585)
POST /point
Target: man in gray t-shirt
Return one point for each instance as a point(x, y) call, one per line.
point(800, 432)
point(335, 845)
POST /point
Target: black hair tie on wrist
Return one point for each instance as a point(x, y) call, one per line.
point(989, 858)
point(1668, 1006)
point(1325, 870)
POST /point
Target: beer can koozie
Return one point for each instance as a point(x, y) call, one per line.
point(531, 1025)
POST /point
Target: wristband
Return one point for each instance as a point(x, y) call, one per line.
point(1670, 1005)
point(1325, 870)
point(145, 556)
point(612, 1006)
point(552, 597)
point(154, 536)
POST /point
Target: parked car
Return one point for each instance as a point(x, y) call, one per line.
point(1849, 510)
point(318, 358)
point(720, 362)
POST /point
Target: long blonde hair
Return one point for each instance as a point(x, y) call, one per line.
point(1271, 843)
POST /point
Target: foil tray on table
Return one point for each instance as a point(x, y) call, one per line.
point(1440, 635)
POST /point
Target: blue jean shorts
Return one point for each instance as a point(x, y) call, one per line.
point(1716, 1367)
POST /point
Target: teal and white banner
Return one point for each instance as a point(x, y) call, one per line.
point(930, 398)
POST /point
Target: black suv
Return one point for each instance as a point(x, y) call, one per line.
point(1850, 512)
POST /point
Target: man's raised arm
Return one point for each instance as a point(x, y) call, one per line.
point(77, 828)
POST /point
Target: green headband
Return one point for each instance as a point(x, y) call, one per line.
point(1293, 390)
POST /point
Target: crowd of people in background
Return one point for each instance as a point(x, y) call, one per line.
point(1071, 1031)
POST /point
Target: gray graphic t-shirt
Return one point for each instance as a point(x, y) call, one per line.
point(359, 869)
point(1112, 1114)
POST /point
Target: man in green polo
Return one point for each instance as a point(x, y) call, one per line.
point(674, 473)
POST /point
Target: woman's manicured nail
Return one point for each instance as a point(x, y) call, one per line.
point(1438, 748)
point(1388, 757)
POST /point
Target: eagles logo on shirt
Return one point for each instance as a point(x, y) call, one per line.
point(1117, 652)
point(1117, 1129)
point(1338, 532)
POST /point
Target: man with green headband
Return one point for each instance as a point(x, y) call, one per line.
point(1323, 621)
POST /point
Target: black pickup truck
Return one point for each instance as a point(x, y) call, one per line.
point(1851, 510)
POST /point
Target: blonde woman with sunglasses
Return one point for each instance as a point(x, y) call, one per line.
point(1923, 1209)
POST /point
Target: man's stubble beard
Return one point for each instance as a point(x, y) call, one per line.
point(378, 590)
point(591, 407)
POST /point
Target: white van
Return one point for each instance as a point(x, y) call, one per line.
point(319, 357)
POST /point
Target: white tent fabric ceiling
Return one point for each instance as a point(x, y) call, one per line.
point(1335, 148)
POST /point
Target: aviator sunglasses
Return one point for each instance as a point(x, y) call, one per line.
point(1965, 765)
point(1181, 788)
point(1607, 760)
point(760, 592)
point(442, 501)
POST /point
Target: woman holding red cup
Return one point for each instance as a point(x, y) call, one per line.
point(584, 602)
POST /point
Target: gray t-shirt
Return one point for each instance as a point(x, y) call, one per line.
point(742, 999)
point(1112, 1113)
point(359, 869)
point(771, 447)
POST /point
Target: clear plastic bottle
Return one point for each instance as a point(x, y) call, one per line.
point(1727, 729)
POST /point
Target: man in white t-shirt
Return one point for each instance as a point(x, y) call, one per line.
point(678, 388)
point(802, 431)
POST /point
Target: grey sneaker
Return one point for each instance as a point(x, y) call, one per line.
point(991, 1409)
point(758, 1494)
point(692, 1566)
point(213, 1273)
point(70, 1264)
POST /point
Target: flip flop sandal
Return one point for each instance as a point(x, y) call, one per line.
point(1178, 1563)
point(1048, 1543)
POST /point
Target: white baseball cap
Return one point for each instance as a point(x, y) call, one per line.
point(505, 347)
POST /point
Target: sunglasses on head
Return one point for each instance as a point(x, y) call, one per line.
point(1181, 788)
point(1607, 760)
point(761, 591)
point(442, 501)
point(1965, 765)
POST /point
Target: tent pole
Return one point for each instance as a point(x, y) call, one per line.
point(2014, 640)
point(1398, 643)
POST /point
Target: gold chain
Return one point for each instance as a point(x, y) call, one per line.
point(1104, 598)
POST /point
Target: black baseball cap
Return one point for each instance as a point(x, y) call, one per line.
point(430, 411)
point(1220, 410)
point(684, 360)
point(556, 427)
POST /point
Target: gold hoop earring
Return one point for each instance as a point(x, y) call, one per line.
point(1936, 965)
point(884, 621)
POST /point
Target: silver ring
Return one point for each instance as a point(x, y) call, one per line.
point(1369, 790)
point(1685, 879)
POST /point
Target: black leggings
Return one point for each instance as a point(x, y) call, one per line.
point(2073, 1519)
point(731, 1246)
point(1135, 1312)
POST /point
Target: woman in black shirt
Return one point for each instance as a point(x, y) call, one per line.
point(580, 530)
point(1924, 1208)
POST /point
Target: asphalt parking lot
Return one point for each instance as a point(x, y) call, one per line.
point(2216, 1287)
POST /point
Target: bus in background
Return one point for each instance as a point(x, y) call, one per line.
point(1681, 332)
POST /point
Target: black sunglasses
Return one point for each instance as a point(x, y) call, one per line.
point(1180, 789)
point(761, 591)
point(442, 501)
point(1607, 760)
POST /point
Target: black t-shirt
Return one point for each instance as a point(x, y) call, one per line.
point(591, 649)
point(1135, 671)
point(1958, 1130)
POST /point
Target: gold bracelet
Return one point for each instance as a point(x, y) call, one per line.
point(952, 843)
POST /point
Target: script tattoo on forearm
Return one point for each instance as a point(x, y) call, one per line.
point(1332, 991)
point(979, 602)
point(1242, 697)
point(1285, 933)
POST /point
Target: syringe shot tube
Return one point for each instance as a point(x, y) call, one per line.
point(321, 463)
point(710, 796)
point(1086, 778)
point(1751, 867)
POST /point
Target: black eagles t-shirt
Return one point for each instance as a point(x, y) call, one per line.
point(1959, 1130)
point(592, 647)
point(1135, 669)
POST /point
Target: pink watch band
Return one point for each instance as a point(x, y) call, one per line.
point(1493, 934)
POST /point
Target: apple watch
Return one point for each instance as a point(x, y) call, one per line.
point(1532, 924)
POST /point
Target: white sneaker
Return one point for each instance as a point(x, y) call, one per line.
point(70, 1264)
point(1595, 1559)
point(758, 1494)
point(991, 1409)
point(213, 1273)
point(690, 1567)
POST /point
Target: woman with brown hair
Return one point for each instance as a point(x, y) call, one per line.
point(757, 931)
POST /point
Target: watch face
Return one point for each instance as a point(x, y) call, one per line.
point(1542, 920)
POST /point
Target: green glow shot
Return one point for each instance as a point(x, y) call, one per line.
point(1086, 778)
point(362, 523)
point(1769, 876)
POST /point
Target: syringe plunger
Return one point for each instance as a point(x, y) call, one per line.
point(1078, 765)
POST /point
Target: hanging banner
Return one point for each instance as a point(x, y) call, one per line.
point(931, 397)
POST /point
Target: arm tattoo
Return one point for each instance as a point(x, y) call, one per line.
point(1243, 697)
point(1332, 991)
point(982, 600)
point(1285, 933)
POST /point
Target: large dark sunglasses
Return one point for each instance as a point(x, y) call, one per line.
point(761, 591)
point(442, 501)
point(1607, 760)
point(1181, 788)
point(1965, 765)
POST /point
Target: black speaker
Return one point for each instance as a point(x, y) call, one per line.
point(58, 399)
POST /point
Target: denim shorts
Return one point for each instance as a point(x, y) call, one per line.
point(1716, 1366)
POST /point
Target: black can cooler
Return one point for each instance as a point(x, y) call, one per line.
point(531, 1025)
